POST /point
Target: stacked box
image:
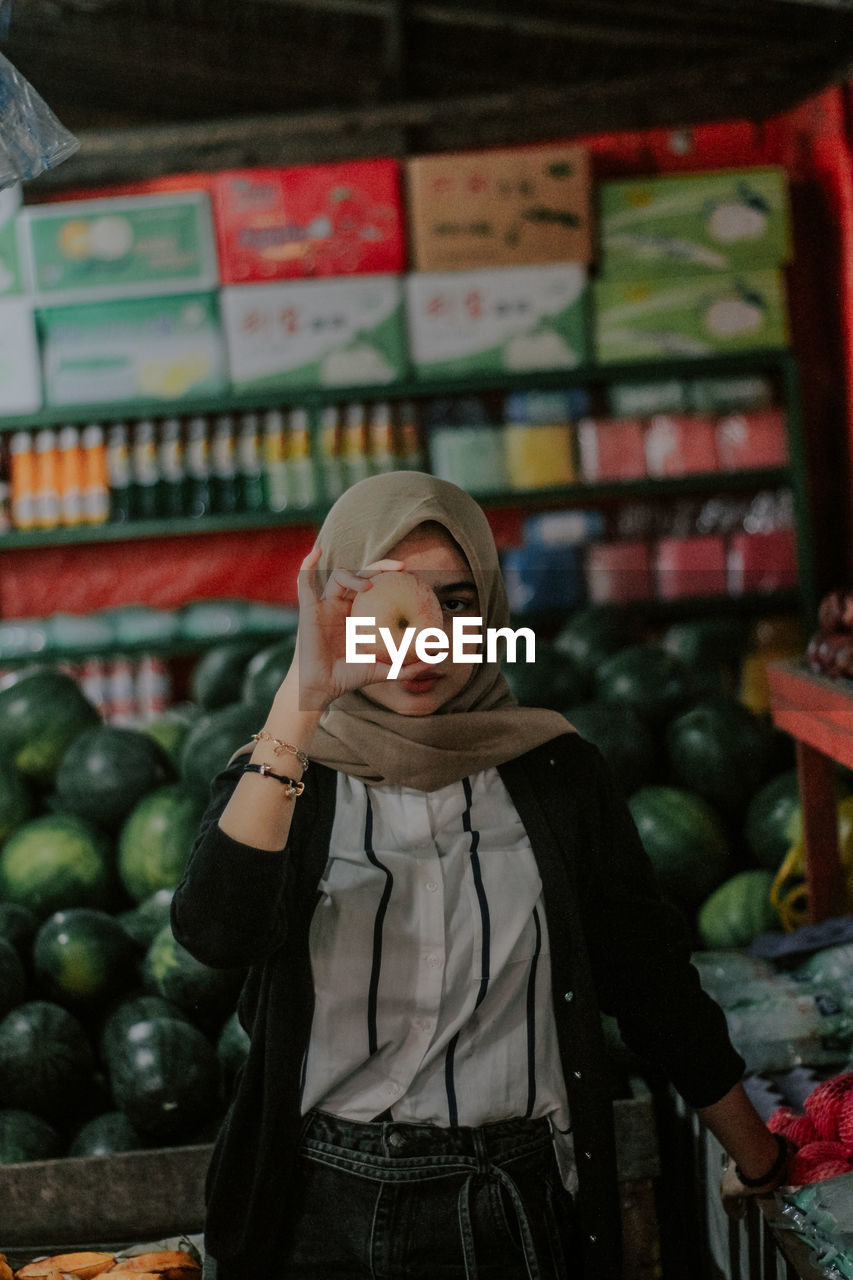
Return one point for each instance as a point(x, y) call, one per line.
point(755, 439)
point(680, 444)
point(612, 448)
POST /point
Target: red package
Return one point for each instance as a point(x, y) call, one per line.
point(619, 571)
point(690, 567)
point(680, 444)
point(611, 448)
point(309, 220)
point(762, 561)
point(756, 439)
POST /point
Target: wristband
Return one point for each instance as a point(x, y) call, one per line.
point(775, 1171)
point(291, 786)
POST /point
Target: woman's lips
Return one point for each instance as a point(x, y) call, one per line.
point(421, 684)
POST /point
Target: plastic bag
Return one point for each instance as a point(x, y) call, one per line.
point(821, 1213)
point(31, 137)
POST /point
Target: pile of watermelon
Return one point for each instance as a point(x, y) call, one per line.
point(112, 1037)
point(711, 784)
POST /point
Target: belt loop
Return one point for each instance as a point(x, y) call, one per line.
point(466, 1230)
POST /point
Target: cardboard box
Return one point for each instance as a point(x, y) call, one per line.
point(627, 399)
point(756, 439)
point(612, 448)
point(165, 348)
point(762, 561)
point(696, 222)
point(326, 333)
point(92, 250)
point(656, 318)
point(20, 368)
point(507, 320)
point(517, 206)
point(690, 567)
point(619, 571)
point(681, 444)
point(309, 220)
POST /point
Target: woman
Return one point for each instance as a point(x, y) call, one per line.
point(433, 915)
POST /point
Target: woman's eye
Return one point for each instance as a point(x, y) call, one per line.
point(457, 604)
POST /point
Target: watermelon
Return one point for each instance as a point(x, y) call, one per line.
point(212, 741)
point(232, 1048)
point(165, 1078)
point(13, 979)
point(206, 994)
point(46, 1060)
point(107, 770)
point(626, 743)
point(738, 911)
point(774, 820)
point(155, 841)
point(171, 727)
point(685, 841)
point(653, 683)
point(217, 678)
point(105, 1135)
point(82, 958)
point(55, 861)
point(145, 921)
point(266, 671)
point(594, 633)
point(713, 648)
point(721, 750)
point(18, 925)
point(17, 802)
point(40, 716)
point(25, 1137)
point(553, 680)
point(118, 1025)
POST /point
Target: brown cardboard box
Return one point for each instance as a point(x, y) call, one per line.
point(516, 206)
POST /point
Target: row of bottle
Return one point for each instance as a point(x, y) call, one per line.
point(358, 440)
point(126, 690)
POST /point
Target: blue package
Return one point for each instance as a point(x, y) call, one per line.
point(541, 578)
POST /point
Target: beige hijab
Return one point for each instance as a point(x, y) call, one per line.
point(482, 725)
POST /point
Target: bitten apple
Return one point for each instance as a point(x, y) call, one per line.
point(401, 606)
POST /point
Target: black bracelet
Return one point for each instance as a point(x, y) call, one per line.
point(775, 1169)
point(292, 787)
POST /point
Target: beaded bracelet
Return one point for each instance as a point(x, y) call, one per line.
point(775, 1170)
point(280, 747)
point(291, 786)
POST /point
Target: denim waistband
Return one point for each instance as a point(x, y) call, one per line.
point(493, 1143)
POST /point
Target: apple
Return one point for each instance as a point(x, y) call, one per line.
point(398, 600)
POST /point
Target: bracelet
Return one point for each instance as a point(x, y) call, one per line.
point(291, 786)
point(775, 1170)
point(280, 747)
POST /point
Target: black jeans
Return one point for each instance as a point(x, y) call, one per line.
point(387, 1201)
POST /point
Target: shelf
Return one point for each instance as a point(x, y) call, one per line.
point(410, 389)
point(135, 530)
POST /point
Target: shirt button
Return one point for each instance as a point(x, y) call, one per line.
point(431, 885)
point(578, 1075)
point(434, 962)
point(391, 1089)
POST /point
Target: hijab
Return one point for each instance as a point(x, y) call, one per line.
point(477, 728)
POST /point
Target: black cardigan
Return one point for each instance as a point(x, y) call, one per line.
point(616, 946)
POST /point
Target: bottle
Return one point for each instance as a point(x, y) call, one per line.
point(224, 465)
point(70, 476)
point(47, 507)
point(96, 489)
point(275, 461)
point(356, 458)
point(331, 440)
point(200, 494)
point(250, 464)
point(301, 478)
point(119, 476)
point(22, 475)
point(412, 457)
point(173, 478)
point(153, 686)
point(121, 691)
point(145, 471)
point(383, 456)
point(93, 682)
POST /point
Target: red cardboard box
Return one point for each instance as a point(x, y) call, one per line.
point(754, 439)
point(506, 207)
point(309, 220)
point(762, 561)
point(611, 448)
point(678, 444)
point(690, 567)
point(619, 571)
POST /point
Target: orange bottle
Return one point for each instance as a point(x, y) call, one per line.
point(70, 469)
point(95, 484)
point(22, 474)
point(47, 501)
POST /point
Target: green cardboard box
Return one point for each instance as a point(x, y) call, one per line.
point(702, 222)
point(656, 318)
point(165, 348)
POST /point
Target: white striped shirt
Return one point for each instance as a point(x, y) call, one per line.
point(430, 956)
